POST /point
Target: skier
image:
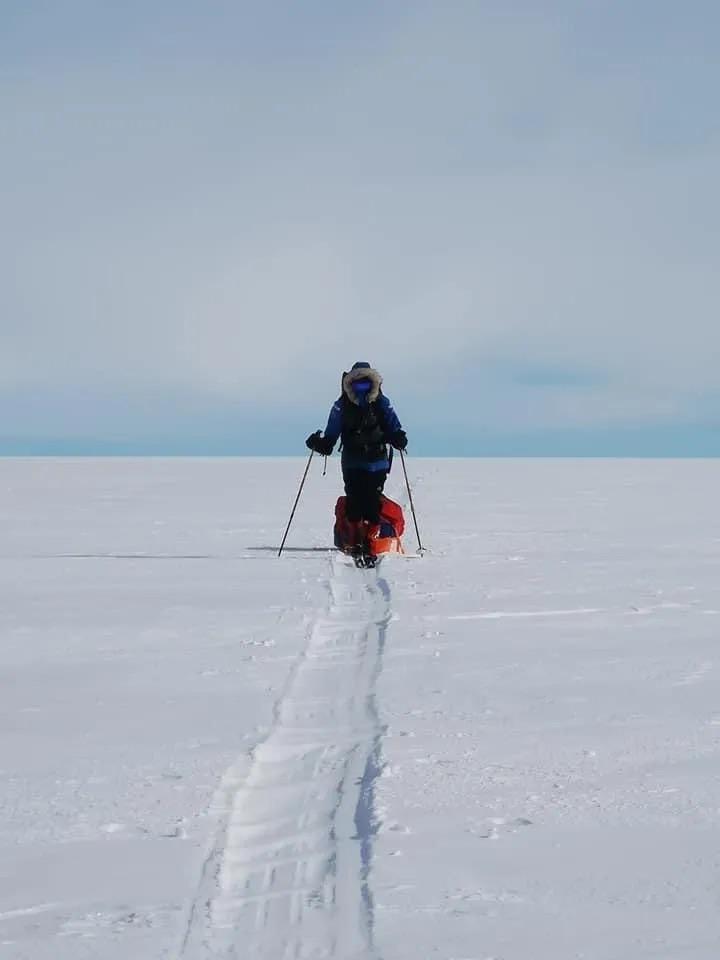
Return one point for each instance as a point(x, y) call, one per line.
point(365, 421)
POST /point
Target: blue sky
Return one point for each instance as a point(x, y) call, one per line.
point(210, 210)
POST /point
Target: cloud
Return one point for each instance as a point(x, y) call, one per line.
point(451, 191)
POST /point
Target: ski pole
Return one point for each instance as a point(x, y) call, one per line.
point(297, 500)
point(421, 548)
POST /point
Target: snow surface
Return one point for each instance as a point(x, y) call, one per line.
point(507, 749)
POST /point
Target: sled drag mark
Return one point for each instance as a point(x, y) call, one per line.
point(288, 876)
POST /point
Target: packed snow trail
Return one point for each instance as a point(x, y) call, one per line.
point(288, 875)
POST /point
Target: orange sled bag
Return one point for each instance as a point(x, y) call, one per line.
point(383, 537)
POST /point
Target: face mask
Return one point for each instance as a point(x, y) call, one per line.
point(361, 389)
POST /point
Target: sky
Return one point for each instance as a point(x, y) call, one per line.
point(210, 210)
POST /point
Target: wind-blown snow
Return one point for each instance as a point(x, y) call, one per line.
point(506, 749)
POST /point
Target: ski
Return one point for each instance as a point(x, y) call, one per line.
point(365, 561)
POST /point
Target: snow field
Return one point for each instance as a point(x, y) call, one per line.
point(507, 750)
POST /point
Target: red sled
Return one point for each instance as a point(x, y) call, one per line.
point(379, 538)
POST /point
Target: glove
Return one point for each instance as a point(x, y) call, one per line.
point(399, 440)
point(319, 444)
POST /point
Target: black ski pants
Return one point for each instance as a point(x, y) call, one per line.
point(363, 489)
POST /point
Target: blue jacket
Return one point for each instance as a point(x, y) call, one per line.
point(334, 429)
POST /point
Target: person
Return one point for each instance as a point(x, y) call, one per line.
point(364, 419)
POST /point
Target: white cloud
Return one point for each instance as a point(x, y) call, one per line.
point(464, 189)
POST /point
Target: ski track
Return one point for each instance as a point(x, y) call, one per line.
point(287, 877)
point(522, 614)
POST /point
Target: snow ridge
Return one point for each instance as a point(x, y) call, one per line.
point(288, 875)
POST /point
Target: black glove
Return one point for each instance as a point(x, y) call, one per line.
point(319, 444)
point(399, 440)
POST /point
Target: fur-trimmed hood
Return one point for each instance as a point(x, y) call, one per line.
point(362, 373)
